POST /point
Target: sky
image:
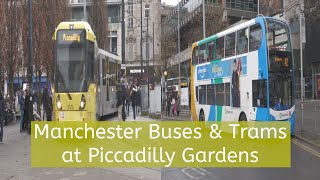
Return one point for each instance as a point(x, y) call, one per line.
point(170, 2)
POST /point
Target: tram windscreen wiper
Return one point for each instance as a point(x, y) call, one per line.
point(64, 85)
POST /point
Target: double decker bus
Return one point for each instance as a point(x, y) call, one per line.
point(84, 76)
point(244, 73)
point(173, 84)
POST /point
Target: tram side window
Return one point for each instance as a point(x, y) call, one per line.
point(230, 44)
point(112, 73)
point(203, 54)
point(211, 47)
point(91, 62)
point(97, 71)
point(104, 71)
point(255, 38)
point(259, 94)
point(211, 97)
point(220, 95)
point(227, 94)
point(202, 94)
point(242, 41)
point(220, 48)
point(195, 56)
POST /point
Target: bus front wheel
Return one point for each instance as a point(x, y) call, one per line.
point(201, 116)
point(243, 117)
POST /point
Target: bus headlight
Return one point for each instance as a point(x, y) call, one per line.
point(59, 105)
point(82, 102)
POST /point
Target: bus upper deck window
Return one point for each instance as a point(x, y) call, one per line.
point(255, 37)
point(211, 47)
point(242, 42)
point(195, 56)
point(230, 44)
point(203, 54)
point(220, 48)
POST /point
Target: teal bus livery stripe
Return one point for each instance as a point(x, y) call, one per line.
point(209, 39)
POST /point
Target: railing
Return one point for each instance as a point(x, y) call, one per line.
point(185, 56)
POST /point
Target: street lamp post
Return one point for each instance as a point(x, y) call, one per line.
point(204, 18)
point(141, 55)
point(123, 32)
point(30, 69)
point(147, 55)
point(179, 55)
point(85, 10)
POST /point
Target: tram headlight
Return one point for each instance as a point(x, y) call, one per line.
point(82, 102)
point(59, 105)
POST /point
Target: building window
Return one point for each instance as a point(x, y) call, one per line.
point(114, 42)
point(147, 10)
point(130, 25)
point(130, 49)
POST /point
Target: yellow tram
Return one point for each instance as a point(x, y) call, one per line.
point(85, 76)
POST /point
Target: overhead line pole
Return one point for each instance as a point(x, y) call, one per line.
point(179, 56)
point(141, 55)
point(123, 33)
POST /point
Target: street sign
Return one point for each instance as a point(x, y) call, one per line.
point(123, 66)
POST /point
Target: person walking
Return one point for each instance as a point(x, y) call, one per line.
point(133, 95)
point(119, 102)
point(173, 103)
point(22, 109)
point(128, 99)
point(168, 105)
point(1, 116)
point(178, 105)
point(28, 108)
point(46, 103)
point(138, 101)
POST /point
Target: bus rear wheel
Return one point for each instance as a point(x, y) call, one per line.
point(201, 116)
point(243, 117)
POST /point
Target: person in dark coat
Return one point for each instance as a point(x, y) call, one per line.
point(28, 108)
point(1, 116)
point(127, 99)
point(46, 103)
point(22, 110)
point(168, 104)
point(133, 95)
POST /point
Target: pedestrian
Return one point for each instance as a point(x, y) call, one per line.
point(28, 107)
point(173, 104)
point(178, 105)
point(1, 116)
point(22, 109)
point(46, 103)
point(119, 102)
point(128, 99)
point(133, 95)
point(168, 105)
point(138, 100)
